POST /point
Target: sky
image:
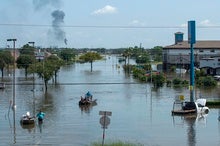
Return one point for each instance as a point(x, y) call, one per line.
point(105, 23)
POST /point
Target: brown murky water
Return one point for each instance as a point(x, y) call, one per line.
point(139, 113)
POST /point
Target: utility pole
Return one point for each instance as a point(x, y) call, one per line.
point(13, 102)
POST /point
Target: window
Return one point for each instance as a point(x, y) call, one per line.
point(201, 50)
point(212, 50)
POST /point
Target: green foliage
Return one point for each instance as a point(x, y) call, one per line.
point(56, 61)
point(206, 81)
point(116, 143)
point(67, 55)
point(157, 79)
point(156, 53)
point(27, 49)
point(173, 68)
point(199, 73)
point(47, 68)
point(178, 82)
point(90, 57)
point(24, 61)
point(7, 57)
point(5, 60)
point(139, 74)
point(143, 58)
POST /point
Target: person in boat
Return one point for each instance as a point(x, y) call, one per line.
point(27, 116)
point(40, 116)
point(88, 96)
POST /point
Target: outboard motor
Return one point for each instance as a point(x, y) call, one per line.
point(189, 106)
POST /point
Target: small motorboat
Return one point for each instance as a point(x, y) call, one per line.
point(186, 107)
point(87, 102)
point(27, 119)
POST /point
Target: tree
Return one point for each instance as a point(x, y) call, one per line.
point(27, 49)
point(126, 54)
point(156, 52)
point(5, 60)
point(67, 54)
point(24, 61)
point(46, 69)
point(144, 58)
point(57, 62)
point(90, 57)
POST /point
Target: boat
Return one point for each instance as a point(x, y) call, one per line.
point(87, 100)
point(83, 102)
point(27, 119)
point(181, 107)
point(2, 85)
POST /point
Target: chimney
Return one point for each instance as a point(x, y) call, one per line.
point(178, 37)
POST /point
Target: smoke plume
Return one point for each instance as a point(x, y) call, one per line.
point(58, 20)
point(38, 4)
point(56, 32)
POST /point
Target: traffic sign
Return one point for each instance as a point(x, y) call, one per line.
point(104, 121)
point(105, 113)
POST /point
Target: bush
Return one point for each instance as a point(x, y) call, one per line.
point(117, 143)
point(206, 81)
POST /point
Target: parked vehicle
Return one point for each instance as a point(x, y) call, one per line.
point(217, 77)
point(153, 72)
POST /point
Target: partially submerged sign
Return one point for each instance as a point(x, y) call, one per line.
point(105, 113)
point(104, 121)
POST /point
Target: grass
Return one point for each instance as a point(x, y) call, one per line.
point(213, 103)
point(116, 143)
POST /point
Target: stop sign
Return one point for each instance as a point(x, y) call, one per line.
point(104, 121)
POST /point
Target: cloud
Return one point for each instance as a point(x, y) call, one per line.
point(183, 25)
point(137, 23)
point(206, 23)
point(105, 10)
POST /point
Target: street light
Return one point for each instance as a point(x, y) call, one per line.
point(33, 77)
point(34, 65)
point(13, 40)
point(31, 43)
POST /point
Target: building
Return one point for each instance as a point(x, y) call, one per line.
point(178, 54)
point(210, 65)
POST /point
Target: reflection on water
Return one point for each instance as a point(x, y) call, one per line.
point(140, 113)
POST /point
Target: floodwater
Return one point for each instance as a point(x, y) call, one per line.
point(140, 113)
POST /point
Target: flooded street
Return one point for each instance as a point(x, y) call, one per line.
point(140, 113)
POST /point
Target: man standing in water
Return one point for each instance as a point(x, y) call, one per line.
point(40, 116)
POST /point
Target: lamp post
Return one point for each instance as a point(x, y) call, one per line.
point(33, 78)
point(13, 103)
point(31, 43)
point(34, 65)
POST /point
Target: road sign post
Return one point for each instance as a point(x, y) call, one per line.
point(104, 121)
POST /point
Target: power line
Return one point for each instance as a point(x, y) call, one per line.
point(103, 26)
point(104, 83)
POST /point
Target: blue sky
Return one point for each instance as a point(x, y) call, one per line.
point(79, 21)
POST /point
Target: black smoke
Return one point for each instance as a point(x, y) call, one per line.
point(56, 33)
point(58, 21)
